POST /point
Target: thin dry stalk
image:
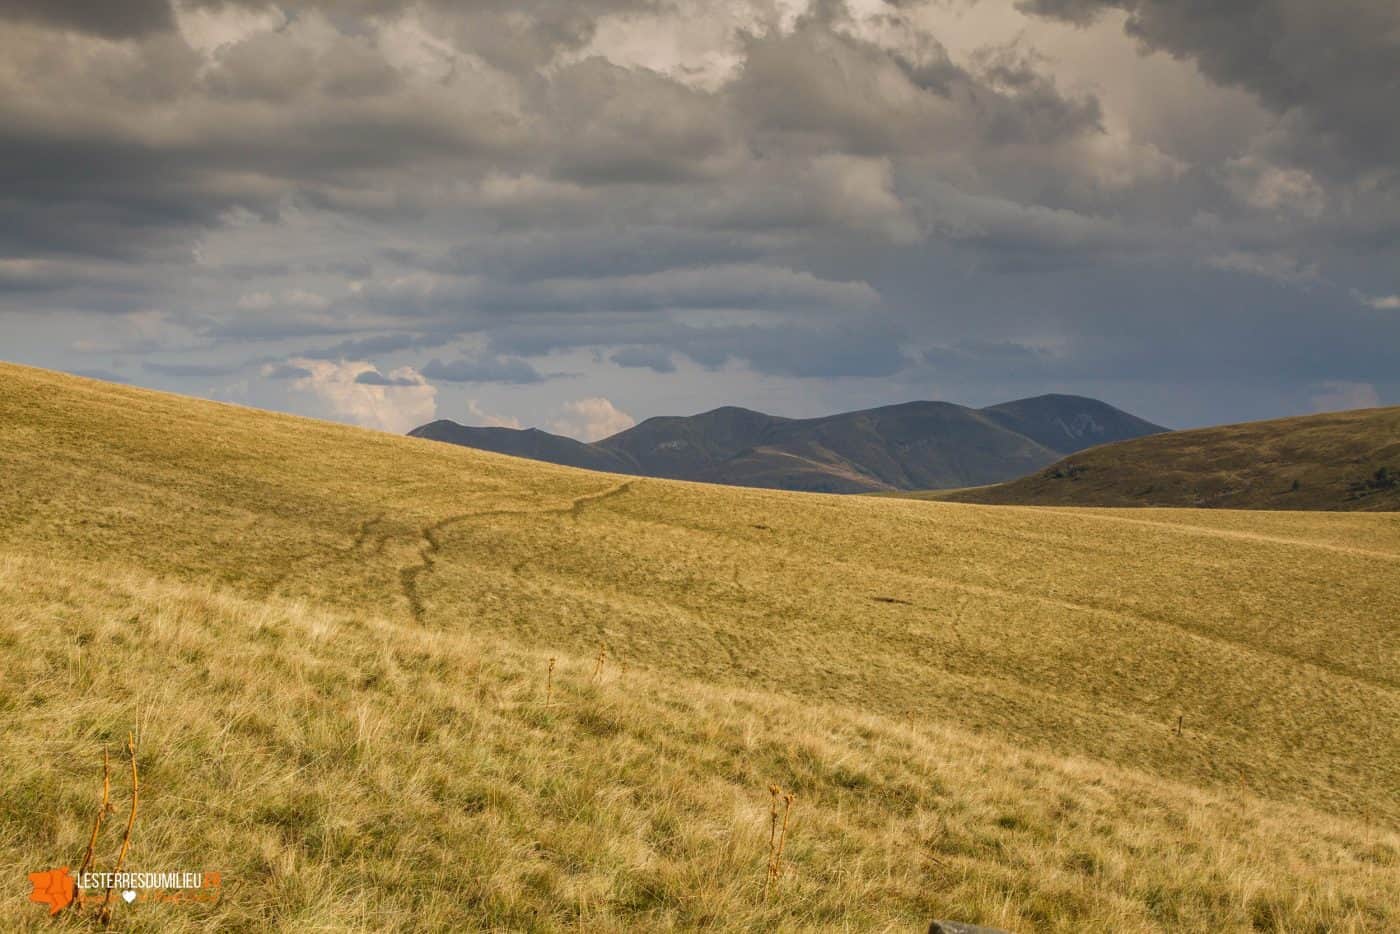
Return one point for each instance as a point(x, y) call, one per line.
point(549, 683)
point(102, 809)
point(773, 792)
point(602, 657)
point(130, 823)
point(1179, 718)
point(782, 836)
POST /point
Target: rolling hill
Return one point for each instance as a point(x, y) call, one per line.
point(915, 445)
point(1346, 461)
point(386, 684)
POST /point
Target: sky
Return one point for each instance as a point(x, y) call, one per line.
point(577, 214)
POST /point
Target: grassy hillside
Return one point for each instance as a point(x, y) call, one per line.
point(333, 645)
point(1338, 461)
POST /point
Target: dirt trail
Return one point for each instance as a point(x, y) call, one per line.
point(410, 575)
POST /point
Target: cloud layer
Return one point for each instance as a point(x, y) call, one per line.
point(378, 209)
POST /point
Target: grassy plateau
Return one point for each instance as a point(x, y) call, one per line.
point(334, 649)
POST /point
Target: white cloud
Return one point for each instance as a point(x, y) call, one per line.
point(695, 42)
point(501, 189)
point(410, 46)
point(397, 401)
point(1380, 302)
point(591, 419)
point(859, 192)
point(208, 28)
point(489, 420)
point(1336, 396)
point(1271, 188)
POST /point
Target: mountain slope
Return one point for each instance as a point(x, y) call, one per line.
point(899, 447)
point(690, 447)
point(334, 647)
point(1346, 461)
point(529, 442)
point(1069, 423)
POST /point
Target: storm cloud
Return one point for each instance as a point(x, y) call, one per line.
point(377, 209)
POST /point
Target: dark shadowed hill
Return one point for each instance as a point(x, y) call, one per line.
point(1337, 461)
point(531, 443)
point(916, 445)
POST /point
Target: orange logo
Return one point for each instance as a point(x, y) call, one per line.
point(53, 888)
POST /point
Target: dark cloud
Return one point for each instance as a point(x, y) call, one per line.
point(1333, 66)
point(621, 126)
point(856, 350)
point(257, 328)
point(375, 378)
point(855, 96)
point(1079, 12)
point(840, 353)
point(106, 18)
point(656, 359)
point(623, 185)
point(483, 369)
point(286, 371)
point(367, 347)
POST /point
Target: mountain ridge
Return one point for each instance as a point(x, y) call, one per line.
point(904, 446)
point(1333, 461)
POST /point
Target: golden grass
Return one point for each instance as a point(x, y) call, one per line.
point(331, 644)
point(350, 772)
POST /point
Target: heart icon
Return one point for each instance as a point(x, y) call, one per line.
point(129, 895)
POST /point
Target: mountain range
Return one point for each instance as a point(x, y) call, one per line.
point(910, 446)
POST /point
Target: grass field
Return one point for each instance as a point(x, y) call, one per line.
point(333, 646)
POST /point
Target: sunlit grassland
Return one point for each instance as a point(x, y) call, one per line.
point(334, 644)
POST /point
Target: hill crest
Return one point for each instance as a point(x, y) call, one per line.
point(1336, 461)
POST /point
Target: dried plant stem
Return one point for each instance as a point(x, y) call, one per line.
point(773, 792)
point(782, 836)
point(130, 823)
point(102, 809)
point(549, 683)
point(602, 657)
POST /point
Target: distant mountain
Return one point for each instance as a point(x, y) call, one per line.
point(1337, 461)
point(530, 443)
point(916, 445)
